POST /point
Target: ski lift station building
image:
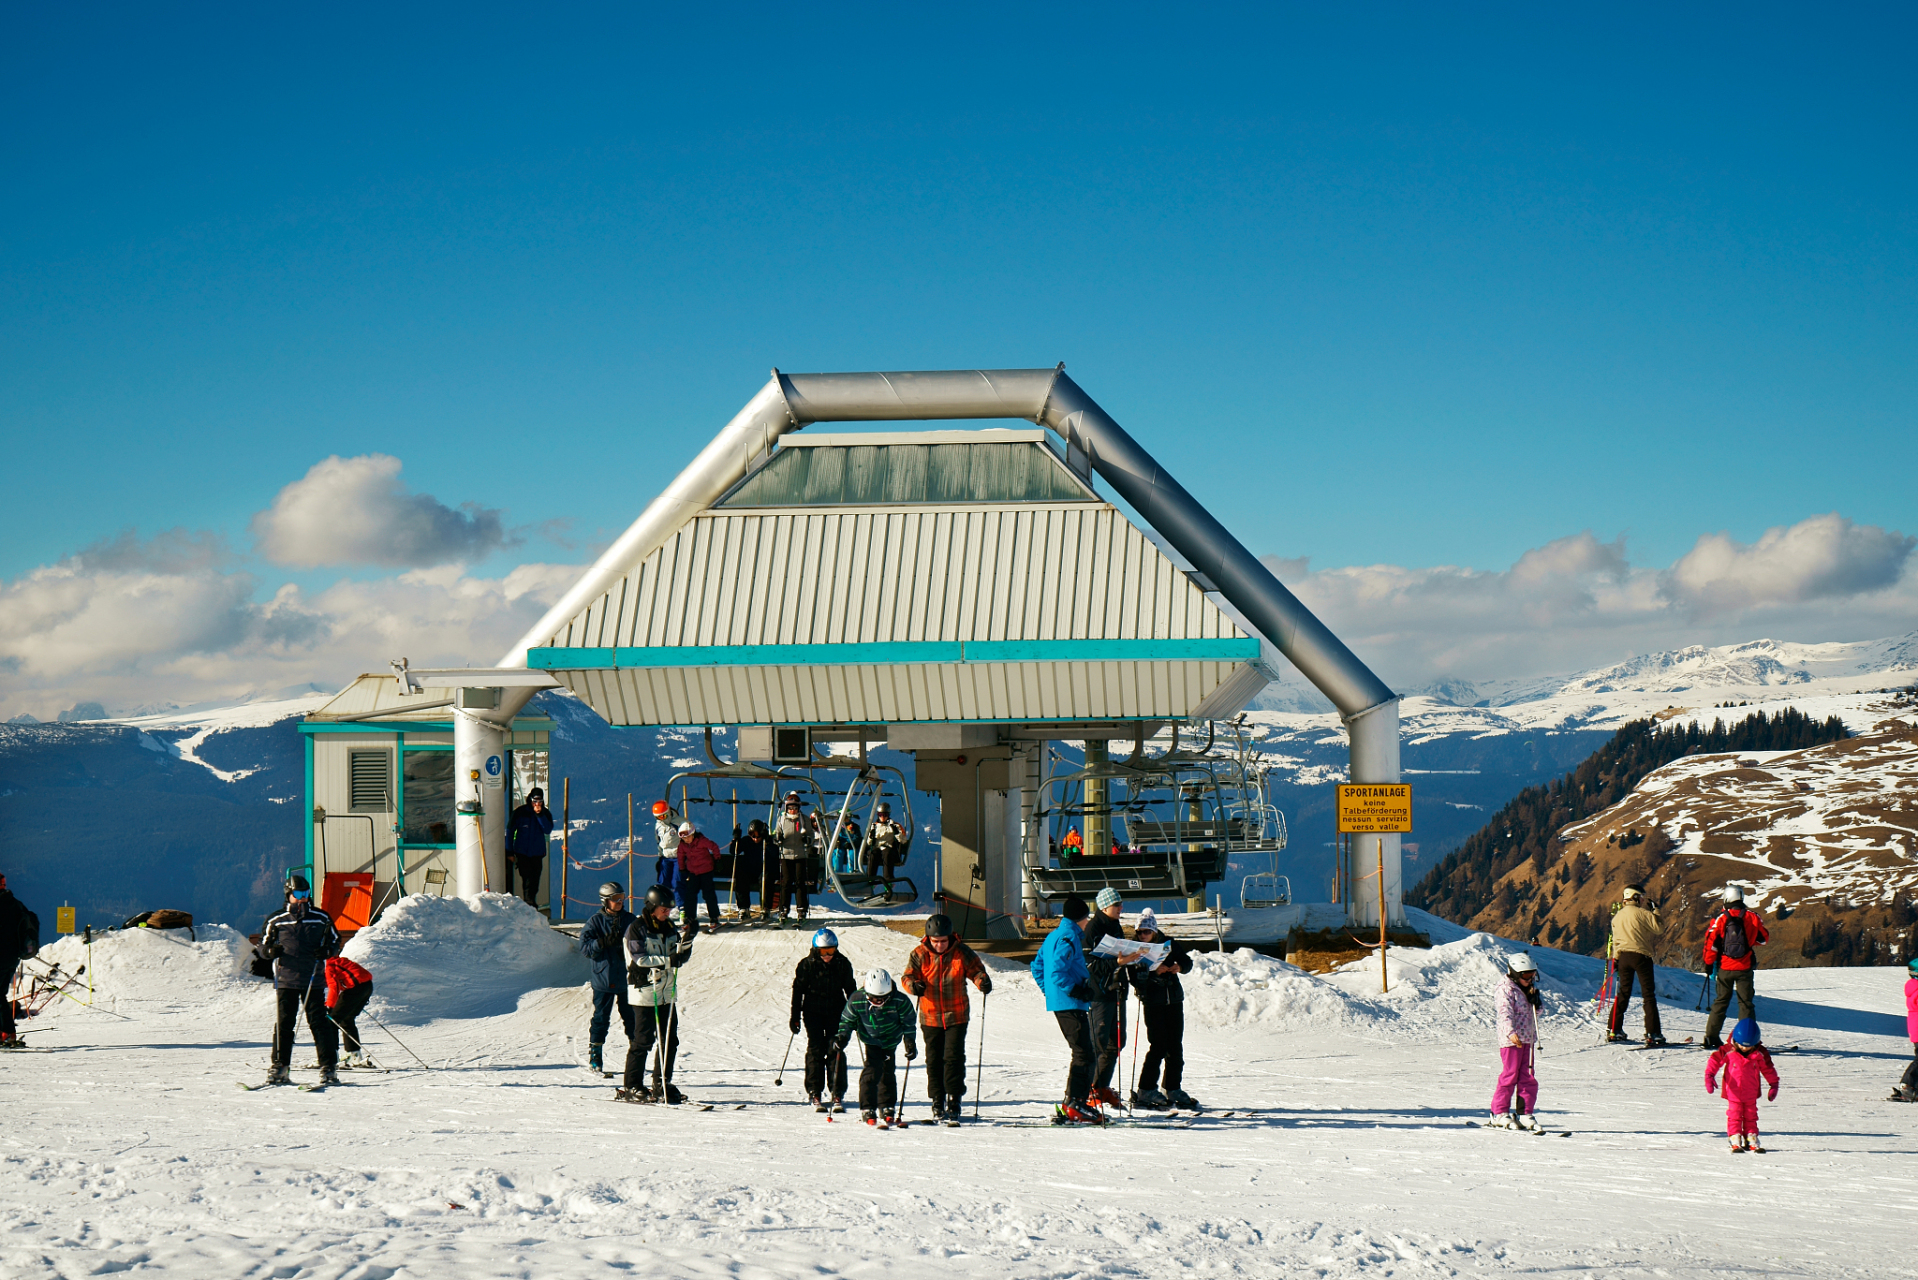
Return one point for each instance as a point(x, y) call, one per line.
point(964, 596)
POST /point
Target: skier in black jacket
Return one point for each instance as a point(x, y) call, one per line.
point(602, 940)
point(655, 952)
point(15, 935)
point(1162, 1004)
point(822, 983)
point(1107, 1011)
point(298, 941)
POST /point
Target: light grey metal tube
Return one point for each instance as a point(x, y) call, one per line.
point(918, 396)
point(1321, 656)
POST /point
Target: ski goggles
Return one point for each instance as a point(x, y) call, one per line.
point(301, 895)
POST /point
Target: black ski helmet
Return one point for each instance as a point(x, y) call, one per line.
point(939, 925)
point(298, 884)
point(756, 827)
point(656, 896)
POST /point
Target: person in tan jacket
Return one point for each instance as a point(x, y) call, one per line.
point(1635, 931)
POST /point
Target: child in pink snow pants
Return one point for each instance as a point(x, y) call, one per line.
point(1517, 1007)
point(1744, 1062)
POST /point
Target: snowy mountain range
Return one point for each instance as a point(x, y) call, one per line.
point(200, 808)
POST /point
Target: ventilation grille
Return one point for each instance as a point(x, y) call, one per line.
point(372, 773)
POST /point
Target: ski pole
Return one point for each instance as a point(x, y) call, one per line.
point(396, 1040)
point(979, 1076)
point(779, 1077)
point(899, 1103)
point(1135, 1057)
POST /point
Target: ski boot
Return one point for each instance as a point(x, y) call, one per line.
point(1753, 1145)
point(1181, 1100)
point(938, 1110)
point(1657, 1042)
point(1500, 1120)
point(639, 1093)
point(1737, 1142)
point(954, 1113)
point(1106, 1096)
point(1711, 1043)
point(12, 1040)
point(1078, 1113)
point(278, 1075)
point(818, 1103)
point(1617, 1037)
point(838, 1105)
point(870, 1117)
point(329, 1075)
point(1150, 1100)
point(1525, 1120)
point(673, 1095)
point(1902, 1094)
point(596, 1058)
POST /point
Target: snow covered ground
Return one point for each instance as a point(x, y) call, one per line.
point(127, 1147)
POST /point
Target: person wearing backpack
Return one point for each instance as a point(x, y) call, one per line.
point(1730, 950)
point(19, 940)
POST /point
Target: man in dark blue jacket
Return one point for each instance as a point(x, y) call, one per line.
point(1066, 983)
point(526, 834)
point(298, 942)
point(603, 941)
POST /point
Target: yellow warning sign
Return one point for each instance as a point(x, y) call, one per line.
point(63, 919)
point(1374, 807)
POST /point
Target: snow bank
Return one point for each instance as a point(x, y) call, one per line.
point(1442, 992)
point(434, 957)
point(159, 971)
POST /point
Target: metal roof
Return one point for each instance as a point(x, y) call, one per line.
point(1034, 611)
point(897, 472)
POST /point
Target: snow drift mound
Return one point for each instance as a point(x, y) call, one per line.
point(434, 957)
point(1443, 992)
point(158, 971)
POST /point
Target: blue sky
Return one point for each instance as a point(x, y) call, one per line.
point(1385, 286)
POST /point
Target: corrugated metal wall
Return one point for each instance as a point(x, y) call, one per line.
point(895, 693)
point(848, 576)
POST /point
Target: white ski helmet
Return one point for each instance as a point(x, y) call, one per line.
point(1520, 963)
point(1734, 894)
point(878, 983)
point(611, 889)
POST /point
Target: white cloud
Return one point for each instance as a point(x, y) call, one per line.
point(135, 622)
point(1825, 557)
point(351, 511)
point(1578, 602)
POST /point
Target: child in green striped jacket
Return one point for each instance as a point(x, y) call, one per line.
point(882, 1020)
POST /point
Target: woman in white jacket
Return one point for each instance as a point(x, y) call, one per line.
point(1517, 1000)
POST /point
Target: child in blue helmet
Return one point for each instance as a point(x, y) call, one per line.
point(1907, 1090)
point(822, 983)
point(1745, 1063)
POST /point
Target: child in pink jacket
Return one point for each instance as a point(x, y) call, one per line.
point(1907, 1090)
point(1517, 1007)
point(1744, 1062)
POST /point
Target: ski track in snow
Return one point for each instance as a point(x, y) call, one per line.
point(129, 1149)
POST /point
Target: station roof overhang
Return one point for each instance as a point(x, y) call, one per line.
point(951, 577)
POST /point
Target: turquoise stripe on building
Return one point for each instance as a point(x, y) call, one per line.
point(1220, 649)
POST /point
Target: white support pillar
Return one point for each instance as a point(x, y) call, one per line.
point(479, 774)
point(1375, 758)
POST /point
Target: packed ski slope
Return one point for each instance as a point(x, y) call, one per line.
point(127, 1147)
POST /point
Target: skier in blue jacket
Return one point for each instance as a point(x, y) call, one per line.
point(603, 941)
point(1060, 970)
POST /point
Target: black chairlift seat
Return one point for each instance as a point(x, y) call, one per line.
point(867, 892)
point(1138, 875)
point(1235, 833)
